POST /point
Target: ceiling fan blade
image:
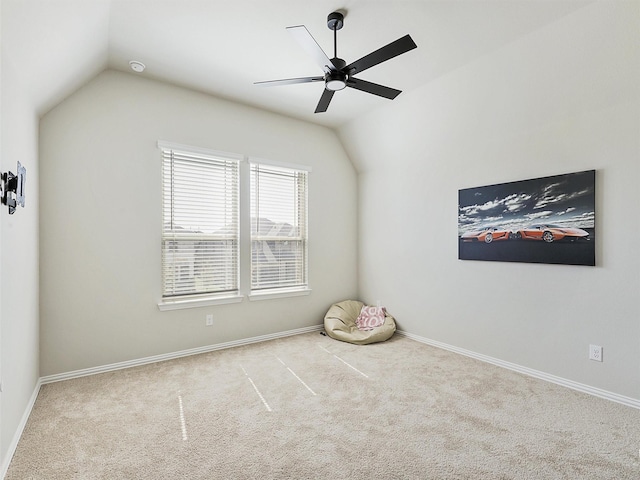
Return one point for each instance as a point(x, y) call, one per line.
point(400, 46)
point(374, 88)
point(323, 104)
point(289, 81)
point(304, 38)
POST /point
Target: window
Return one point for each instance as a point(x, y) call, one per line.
point(278, 227)
point(219, 243)
point(200, 223)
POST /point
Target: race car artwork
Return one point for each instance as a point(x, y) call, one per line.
point(487, 235)
point(552, 233)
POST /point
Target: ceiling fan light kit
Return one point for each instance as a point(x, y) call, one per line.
point(337, 74)
point(335, 81)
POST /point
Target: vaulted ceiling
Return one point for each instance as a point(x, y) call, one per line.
point(223, 47)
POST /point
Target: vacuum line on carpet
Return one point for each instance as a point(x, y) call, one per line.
point(346, 363)
point(294, 374)
point(266, 405)
point(351, 366)
point(183, 424)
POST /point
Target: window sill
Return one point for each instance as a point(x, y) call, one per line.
point(279, 293)
point(198, 302)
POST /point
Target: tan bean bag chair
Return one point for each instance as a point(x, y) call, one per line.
point(340, 323)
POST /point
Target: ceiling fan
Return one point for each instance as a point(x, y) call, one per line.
point(337, 74)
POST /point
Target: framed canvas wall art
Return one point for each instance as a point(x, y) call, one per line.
point(541, 220)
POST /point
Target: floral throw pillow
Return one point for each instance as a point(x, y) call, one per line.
point(370, 318)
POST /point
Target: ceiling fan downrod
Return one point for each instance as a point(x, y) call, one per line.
point(336, 79)
point(335, 21)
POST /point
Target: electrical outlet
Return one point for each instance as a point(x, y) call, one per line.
point(595, 353)
point(209, 320)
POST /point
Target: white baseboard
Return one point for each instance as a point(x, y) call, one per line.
point(16, 437)
point(170, 356)
point(580, 387)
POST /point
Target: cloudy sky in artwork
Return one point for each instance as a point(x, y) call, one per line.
point(567, 200)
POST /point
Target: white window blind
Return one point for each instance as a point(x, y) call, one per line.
point(200, 223)
point(278, 227)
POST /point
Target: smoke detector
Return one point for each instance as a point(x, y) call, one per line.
point(137, 66)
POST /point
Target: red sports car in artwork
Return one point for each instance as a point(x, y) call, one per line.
point(486, 235)
point(552, 233)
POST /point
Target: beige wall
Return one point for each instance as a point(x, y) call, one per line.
point(563, 99)
point(101, 221)
point(19, 260)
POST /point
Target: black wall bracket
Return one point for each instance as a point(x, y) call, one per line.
point(12, 188)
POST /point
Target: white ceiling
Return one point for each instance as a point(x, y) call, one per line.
point(222, 47)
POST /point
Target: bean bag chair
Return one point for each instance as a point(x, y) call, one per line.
point(340, 323)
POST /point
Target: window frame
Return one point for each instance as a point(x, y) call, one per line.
point(171, 298)
point(244, 255)
point(297, 174)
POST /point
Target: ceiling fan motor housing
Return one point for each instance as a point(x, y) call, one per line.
point(336, 78)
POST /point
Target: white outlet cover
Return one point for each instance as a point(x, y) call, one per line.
point(595, 353)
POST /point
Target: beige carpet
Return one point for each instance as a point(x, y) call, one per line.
point(309, 407)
